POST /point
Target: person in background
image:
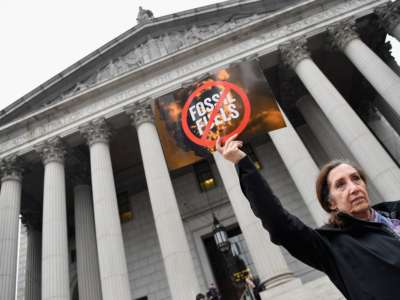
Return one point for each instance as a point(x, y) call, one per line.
point(254, 285)
point(212, 293)
point(200, 296)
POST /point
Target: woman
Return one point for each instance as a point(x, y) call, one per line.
point(359, 249)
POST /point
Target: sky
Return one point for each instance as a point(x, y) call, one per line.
point(41, 38)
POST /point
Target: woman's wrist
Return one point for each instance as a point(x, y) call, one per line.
point(239, 157)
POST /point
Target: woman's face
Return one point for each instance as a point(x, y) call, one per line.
point(348, 191)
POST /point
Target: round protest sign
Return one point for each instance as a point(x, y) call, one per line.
point(215, 108)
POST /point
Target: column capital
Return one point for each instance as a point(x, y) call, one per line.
point(389, 15)
point(96, 131)
point(52, 150)
point(140, 112)
point(294, 51)
point(11, 168)
point(342, 33)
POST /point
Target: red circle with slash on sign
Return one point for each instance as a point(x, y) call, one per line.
point(227, 86)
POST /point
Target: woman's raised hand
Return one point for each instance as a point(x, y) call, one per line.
point(231, 149)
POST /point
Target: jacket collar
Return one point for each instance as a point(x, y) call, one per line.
point(388, 209)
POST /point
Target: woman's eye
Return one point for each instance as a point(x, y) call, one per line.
point(339, 185)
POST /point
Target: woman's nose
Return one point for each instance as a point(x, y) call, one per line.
point(353, 187)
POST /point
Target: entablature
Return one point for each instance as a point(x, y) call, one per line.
point(146, 42)
point(260, 37)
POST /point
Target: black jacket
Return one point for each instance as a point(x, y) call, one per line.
point(361, 258)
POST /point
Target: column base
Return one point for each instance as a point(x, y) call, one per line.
point(290, 290)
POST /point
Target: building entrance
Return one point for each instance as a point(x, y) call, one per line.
point(219, 265)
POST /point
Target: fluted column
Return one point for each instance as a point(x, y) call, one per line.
point(327, 136)
point(268, 259)
point(298, 163)
point(175, 249)
point(387, 111)
point(10, 203)
point(111, 253)
point(89, 286)
point(379, 167)
point(386, 134)
point(322, 129)
point(55, 263)
point(33, 265)
point(389, 15)
point(381, 76)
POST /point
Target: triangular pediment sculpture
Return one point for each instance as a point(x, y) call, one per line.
point(151, 40)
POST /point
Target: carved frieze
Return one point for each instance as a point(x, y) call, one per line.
point(52, 150)
point(78, 114)
point(389, 14)
point(96, 131)
point(11, 168)
point(154, 48)
point(342, 33)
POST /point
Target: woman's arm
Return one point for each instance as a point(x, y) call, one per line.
point(285, 229)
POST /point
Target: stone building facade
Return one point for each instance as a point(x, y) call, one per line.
point(82, 164)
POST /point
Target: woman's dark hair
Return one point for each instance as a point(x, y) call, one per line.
point(322, 187)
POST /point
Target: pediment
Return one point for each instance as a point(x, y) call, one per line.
point(151, 40)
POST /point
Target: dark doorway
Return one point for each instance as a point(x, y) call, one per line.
point(226, 287)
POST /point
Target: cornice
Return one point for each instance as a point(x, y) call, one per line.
point(168, 74)
point(143, 29)
point(269, 20)
point(389, 15)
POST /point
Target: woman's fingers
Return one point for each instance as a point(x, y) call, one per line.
point(231, 138)
point(230, 150)
point(229, 146)
point(234, 145)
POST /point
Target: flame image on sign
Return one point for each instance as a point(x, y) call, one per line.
point(226, 101)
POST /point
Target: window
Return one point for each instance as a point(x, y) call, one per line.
point(204, 175)
point(124, 207)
